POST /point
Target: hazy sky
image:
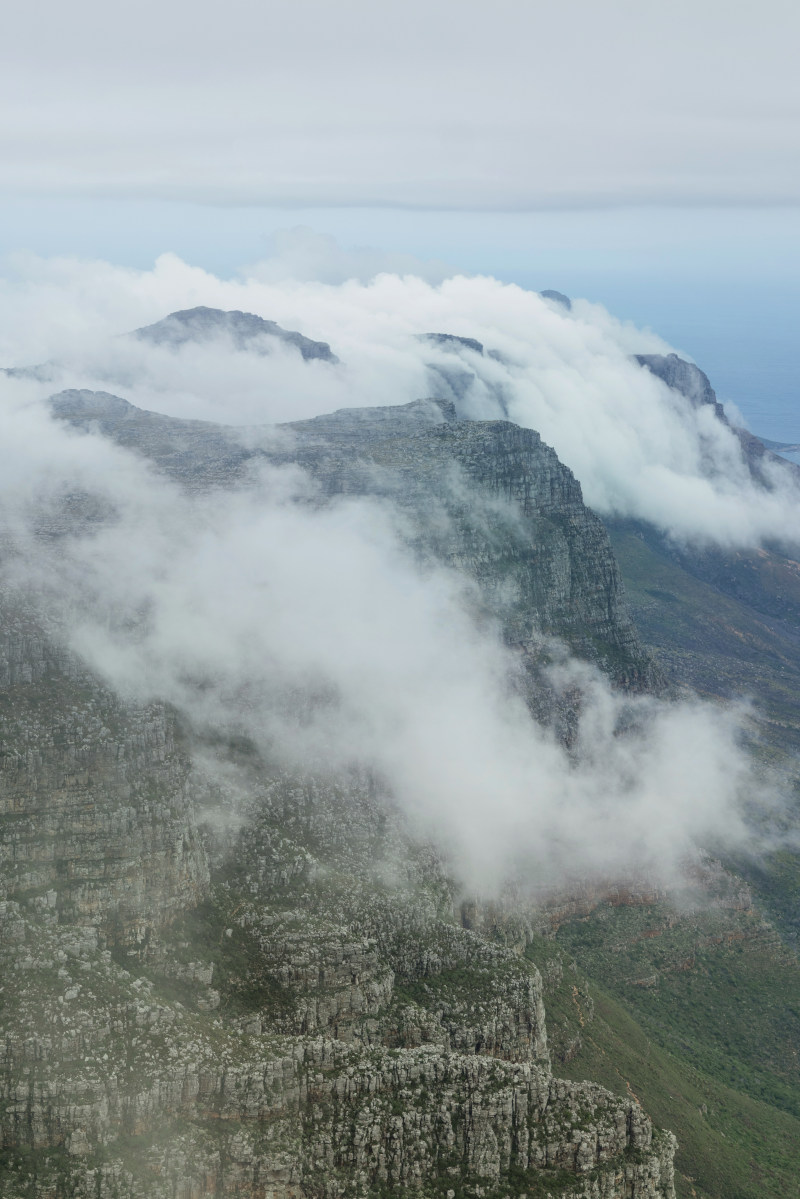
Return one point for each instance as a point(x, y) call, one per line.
point(512, 105)
point(642, 153)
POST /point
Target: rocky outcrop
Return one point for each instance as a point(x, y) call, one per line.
point(305, 1030)
point(244, 330)
point(487, 497)
point(96, 820)
point(687, 379)
point(285, 1001)
point(684, 377)
point(494, 501)
point(558, 297)
point(98, 1060)
point(452, 340)
point(198, 454)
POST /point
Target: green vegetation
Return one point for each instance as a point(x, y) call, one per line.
point(726, 997)
point(241, 975)
point(709, 636)
point(731, 1145)
point(713, 996)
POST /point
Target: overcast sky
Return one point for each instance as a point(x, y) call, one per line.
point(516, 104)
point(643, 153)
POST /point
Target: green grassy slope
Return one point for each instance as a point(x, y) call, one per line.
point(713, 988)
point(730, 1145)
point(709, 636)
point(699, 1010)
point(716, 642)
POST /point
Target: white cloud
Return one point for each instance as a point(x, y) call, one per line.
point(637, 448)
point(313, 628)
point(315, 631)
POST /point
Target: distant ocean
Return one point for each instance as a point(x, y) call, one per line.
point(745, 339)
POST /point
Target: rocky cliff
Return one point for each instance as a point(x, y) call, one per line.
point(487, 497)
point(220, 978)
point(302, 1030)
point(693, 383)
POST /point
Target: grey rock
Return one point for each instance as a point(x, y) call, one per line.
point(246, 330)
point(488, 497)
point(453, 341)
point(357, 1035)
point(558, 297)
point(687, 379)
point(684, 377)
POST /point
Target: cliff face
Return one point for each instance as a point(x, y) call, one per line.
point(684, 377)
point(486, 496)
point(95, 818)
point(687, 379)
point(284, 1000)
point(303, 1030)
point(515, 522)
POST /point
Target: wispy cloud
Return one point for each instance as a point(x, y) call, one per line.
point(311, 626)
point(638, 448)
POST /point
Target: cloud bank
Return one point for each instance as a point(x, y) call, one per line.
point(312, 627)
point(638, 448)
point(315, 631)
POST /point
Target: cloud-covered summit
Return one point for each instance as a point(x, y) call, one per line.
point(375, 609)
point(646, 440)
point(244, 331)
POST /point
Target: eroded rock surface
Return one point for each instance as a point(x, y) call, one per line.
point(287, 1000)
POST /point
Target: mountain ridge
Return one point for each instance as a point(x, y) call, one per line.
point(225, 977)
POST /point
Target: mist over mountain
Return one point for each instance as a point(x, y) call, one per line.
point(243, 330)
point(399, 649)
point(325, 710)
point(641, 448)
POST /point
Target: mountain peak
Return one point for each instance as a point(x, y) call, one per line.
point(684, 377)
point(558, 297)
point(246, 330)
point(452, 341)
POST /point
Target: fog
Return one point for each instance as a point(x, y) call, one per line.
point(638, 448)
point(314, 630)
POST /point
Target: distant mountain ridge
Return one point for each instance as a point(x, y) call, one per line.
point(693, 383)
point(246, 330)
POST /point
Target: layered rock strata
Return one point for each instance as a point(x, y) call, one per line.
point(487, 497)
point(285, 1001)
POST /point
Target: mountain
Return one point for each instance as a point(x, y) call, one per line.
point(249, 1008)
point(245, 330)
point(223, 974)
point(543, 562)
point(197, 326)
point(558, 297)
point(687, 379)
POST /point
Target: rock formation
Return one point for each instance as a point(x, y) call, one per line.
point(245, 330)
point(220, 978)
